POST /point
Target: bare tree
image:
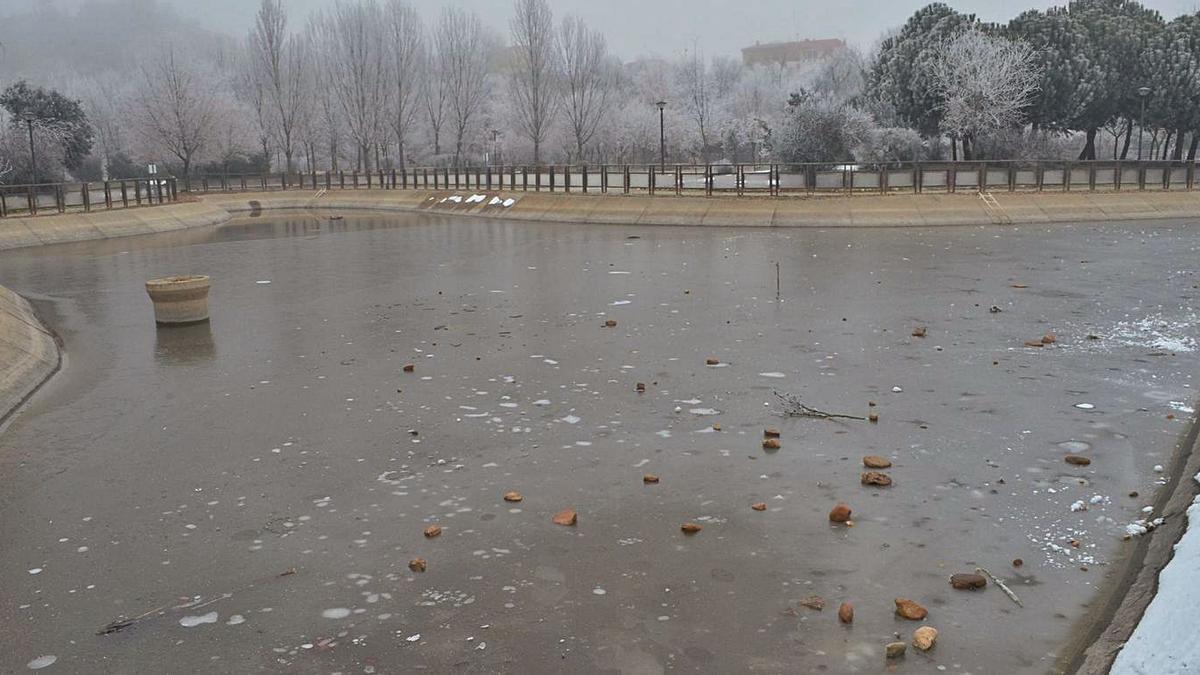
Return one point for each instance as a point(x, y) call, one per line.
point(406, 68)
point(694, 77)
point(462, 50)
point(841, 75)
point(726, 74)
point(437, 91)
point(353, 46)
point(533, 70)
point(103, 96)
point(587, 80)
point(983, 82)
point(252, 90)
point(325, 120)
point(279, 62)
point(176, 108)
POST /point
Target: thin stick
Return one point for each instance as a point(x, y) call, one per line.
point(793, 407)
point(996, 580)
point(777, 280)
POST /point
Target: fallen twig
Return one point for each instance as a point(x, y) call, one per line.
point(119, 625)
point(793, 407)
point(1000, 583)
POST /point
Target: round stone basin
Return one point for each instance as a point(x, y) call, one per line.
point(179, 299)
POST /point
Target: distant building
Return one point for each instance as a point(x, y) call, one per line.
point(791, 52)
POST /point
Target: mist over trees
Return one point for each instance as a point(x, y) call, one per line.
point(379, 84)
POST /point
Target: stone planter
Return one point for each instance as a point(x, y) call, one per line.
point(179, 300)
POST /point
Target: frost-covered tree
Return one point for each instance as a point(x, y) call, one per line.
point(842, 75)
point(353, 45)
point(105, 97)
point(325, 123)
point(696, 91)
point(587, 81)
point(532, 72)
point(1092, 56)
point(278, 63)
point(1173, 76)
point(176, 107)
point(406, 69)
point(251, 87)
point(982, 83)
point(822, 130)
point(463, 49)
point(900, 71)
point(55, 115)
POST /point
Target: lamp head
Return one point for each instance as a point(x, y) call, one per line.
point(661, 105)
point(1143, 91)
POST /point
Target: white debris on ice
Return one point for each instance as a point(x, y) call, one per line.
point(42, 662)
point(1139, 527)
point(1164, 641)
point(1157, 332)
point(193, 621)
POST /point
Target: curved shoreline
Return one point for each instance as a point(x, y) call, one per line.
point(892, 210)
point(59, 229)
point(1101, 635)
point(29, 353)
point(872, 210)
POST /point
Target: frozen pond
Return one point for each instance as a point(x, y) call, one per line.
point(254, 490)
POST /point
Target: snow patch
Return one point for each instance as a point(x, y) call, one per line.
point(1164, 641)
point(42, 662)
point(193, 621)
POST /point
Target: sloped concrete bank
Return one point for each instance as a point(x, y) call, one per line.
point(29, 353)
point(1133, 582)
point(824, 211)
point(894, 210)
point(57, 229)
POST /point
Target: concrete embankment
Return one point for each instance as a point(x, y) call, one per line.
point(1134, 580)
point(821, 211)
point(28, 352)
point(894, 210)
point(57, 229)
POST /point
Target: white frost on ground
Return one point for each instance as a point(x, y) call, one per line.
point(1164, 642)
point(1151, 332)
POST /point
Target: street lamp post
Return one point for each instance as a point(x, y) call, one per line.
point(1143, 92)
point(662, 136)
point(29, 118)
point(495, 147)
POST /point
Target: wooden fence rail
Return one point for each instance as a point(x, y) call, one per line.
point(714, 180)
point(50, 198)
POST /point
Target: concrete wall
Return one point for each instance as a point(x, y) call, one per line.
point(825, 211)
point(56, 229)
point(832, 211)
point(28, 353)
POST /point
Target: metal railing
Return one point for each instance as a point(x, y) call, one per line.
point(737, 179)
point(50, 198)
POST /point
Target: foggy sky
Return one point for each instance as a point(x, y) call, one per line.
point(666, 27)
